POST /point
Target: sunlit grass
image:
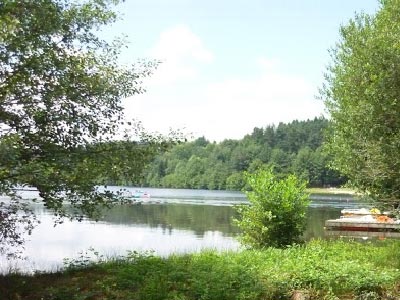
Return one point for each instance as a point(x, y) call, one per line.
point(324, 269)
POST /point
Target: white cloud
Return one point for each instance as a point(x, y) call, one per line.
point(163, 106)
point(181, 96)
point(267, 64)
point(180, 42)
point(180, 51)
point(233, 107)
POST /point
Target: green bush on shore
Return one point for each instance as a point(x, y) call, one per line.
point(276, 216)
point(324, 269)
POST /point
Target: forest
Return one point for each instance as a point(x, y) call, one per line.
point(289, 148)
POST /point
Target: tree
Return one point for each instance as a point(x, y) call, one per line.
point(362, 95)
point(60, 109)
point(302, 140)
point(235, 181)
point(303, 164)
point(276, 215)
point(281, 161)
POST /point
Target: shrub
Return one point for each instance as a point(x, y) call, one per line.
point(276, 215)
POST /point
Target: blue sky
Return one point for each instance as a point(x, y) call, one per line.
point(230, 66)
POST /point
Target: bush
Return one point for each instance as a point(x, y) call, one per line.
point(276, 215)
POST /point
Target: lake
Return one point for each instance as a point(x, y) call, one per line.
point(175, 221)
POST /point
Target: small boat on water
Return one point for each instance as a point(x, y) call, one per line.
point(140, 195)
point(136, 197)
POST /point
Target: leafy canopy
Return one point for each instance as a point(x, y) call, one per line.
point(60, 109)
point(362, 95)
point(295, 147)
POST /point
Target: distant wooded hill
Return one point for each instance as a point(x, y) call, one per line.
point(291, 148)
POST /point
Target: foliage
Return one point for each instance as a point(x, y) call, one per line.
point(362, 95)
point(276, 215)
point(290, 148)
point(60, 110)
point(324, 269)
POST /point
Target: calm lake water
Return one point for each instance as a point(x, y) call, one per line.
point(175, 221)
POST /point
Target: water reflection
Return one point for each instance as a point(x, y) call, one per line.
point(316, 217)
point(197, 218)
point(184, 221)
point(204, 218)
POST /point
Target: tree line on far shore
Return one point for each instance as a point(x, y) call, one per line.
point(289, 148)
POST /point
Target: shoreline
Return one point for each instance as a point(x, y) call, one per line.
point(317, 268)
point(332, 191)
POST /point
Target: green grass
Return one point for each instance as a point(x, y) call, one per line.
point(325, 269)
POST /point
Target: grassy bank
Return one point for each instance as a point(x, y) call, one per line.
point(321, 269)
